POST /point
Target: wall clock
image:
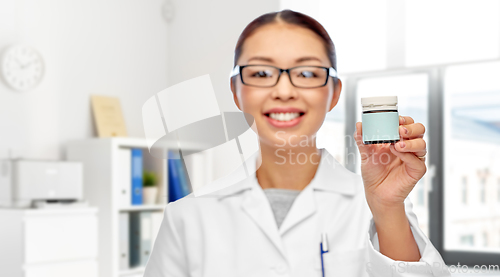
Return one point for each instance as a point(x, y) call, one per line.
point(22, 67)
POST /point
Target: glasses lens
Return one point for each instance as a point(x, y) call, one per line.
point(308, 76)
point(259, 75)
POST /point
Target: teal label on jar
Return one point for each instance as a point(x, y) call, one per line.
point(380, 127)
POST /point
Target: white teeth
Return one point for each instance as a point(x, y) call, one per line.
point(284, 116)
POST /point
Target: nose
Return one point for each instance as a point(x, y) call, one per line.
point(284, 89)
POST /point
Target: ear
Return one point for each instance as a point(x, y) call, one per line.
point(336, 93)
point(233, 90)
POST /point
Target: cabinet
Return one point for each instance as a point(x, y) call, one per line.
point(104, 178)
point(49, 242)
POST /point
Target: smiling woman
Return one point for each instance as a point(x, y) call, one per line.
point(300, 44)
point(300, 213)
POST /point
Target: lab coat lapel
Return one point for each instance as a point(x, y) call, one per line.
point(254, 202)
point(303, 207)
point(330, 177)
point(256, 205)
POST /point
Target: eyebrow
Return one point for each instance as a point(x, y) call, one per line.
point(299, 60)
point(303, 59)
point(261, 59)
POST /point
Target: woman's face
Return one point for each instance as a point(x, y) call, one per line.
point(285, 46)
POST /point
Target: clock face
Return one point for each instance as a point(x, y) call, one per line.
point(22, 67)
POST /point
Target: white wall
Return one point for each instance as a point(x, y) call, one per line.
point(116, 48)
point(202, 37)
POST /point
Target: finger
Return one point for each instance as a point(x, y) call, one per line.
point(418, 146)
point(359, 129)
point(358, 135)
point(412, 161)
point(364, 150)
point(414, 130)
point(405, 120)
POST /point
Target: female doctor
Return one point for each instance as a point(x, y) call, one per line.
point(301, 213)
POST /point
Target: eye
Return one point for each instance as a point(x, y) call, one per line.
point(307, 74)
point(262, 74)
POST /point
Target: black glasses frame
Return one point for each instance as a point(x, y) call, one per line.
point(238, 69)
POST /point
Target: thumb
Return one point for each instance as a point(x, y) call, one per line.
point(364, 150)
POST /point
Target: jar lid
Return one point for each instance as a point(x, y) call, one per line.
point(379, 100)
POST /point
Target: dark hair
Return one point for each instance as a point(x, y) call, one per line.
point(290, 17)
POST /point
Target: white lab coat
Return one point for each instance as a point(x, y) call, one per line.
point(232, 232)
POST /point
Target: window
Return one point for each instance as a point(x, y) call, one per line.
point(485, 239)
point(427, 32)
point(463, 142)
point(420, 195)
point(462, 102)
point(498, 190)
point(482, 187)
point(464, 190)
point(467, 240)
point(472, 148)
point(412, 92)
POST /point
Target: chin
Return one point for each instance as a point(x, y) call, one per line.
point(287, 139)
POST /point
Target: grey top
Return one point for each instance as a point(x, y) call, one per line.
point(281, 201)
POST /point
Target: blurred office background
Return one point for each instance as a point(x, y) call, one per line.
point(441, 58)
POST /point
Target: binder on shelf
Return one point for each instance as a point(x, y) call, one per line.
point(125, 185)
point(178, 183)
point(124, 241)
point(135, 242)
point(146, 235)
point(183, 177)
point(136, 169)
point(140, 238)
point(174, 185)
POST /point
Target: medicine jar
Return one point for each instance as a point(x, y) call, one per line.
point(380, 119)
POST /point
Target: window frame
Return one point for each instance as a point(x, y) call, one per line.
point(435, 130)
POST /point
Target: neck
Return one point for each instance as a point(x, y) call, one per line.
point(288, 168)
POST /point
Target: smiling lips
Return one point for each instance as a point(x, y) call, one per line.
point(284, 116)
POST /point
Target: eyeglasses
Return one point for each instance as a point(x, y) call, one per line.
point(268, 76)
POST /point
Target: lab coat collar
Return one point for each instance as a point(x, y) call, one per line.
point(330, 176)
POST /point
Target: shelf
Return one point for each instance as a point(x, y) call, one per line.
point(142, 208)
point(49, 211)
point(105, 184)
point(130, 271)
point(131, 142)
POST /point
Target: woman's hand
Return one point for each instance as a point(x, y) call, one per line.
point(390, 171)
